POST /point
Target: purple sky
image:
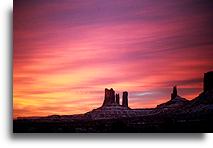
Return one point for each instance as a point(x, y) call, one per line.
point(67, 51)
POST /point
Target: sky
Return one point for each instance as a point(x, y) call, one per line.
point(66, 52)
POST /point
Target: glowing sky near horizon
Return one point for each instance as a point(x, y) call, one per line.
point(66, 52)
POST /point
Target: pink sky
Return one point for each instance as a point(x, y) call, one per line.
point(67, 52)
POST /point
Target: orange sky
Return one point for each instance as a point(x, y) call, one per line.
point(67, 53)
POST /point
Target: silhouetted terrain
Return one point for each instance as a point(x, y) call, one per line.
point(176, 115)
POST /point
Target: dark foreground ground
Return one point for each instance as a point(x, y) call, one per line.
point(182, 123)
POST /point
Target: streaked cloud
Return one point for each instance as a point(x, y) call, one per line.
point(67, 52)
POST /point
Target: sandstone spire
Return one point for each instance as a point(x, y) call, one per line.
point(208, 81)
point(174, 93)
point(125, 99)
point(109, 97)
point(117, 99)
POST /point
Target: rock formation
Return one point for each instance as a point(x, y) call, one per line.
point(174, 93)
point(125, 99)
point(208, 81)
point(206, 97)
point(117, 99)
point(109, 97)
point(111, 107)
point(175, 101)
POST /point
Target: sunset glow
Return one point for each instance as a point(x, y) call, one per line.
point(67, 52)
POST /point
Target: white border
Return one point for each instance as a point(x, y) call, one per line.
point(8, 139)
